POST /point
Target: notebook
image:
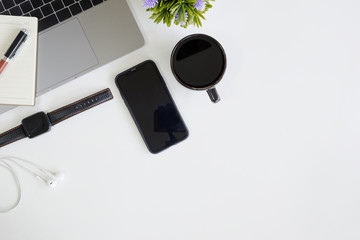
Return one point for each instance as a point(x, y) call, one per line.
point(17, 81)
point(76, 36)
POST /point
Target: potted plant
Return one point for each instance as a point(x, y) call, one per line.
point(179, 12)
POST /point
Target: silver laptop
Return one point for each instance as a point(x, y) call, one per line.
point(76, 36)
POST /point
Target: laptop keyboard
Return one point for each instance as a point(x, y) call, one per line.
point(49, 12)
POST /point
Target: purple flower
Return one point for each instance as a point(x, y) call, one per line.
point(200, 5)
point(150, 3)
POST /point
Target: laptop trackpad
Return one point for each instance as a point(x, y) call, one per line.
point(63, 52)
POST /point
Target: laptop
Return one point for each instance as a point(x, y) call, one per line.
point(76, 36)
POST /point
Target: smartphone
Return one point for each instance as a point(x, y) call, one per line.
point(150, 104)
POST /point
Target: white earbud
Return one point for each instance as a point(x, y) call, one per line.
point(52, 178)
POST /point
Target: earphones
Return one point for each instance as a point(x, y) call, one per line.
point(50, 178)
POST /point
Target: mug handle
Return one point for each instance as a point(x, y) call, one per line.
point(214, 96)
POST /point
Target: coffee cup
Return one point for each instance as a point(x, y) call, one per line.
point(198, 62)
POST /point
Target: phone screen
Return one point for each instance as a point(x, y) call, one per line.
point(151, 106)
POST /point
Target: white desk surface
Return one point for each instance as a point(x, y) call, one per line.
point(278, 158)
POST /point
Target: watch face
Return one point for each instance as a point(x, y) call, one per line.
point(36, 124)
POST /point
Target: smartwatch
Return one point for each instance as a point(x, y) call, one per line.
point(42, 122)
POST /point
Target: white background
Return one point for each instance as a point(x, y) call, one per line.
point(278, 158)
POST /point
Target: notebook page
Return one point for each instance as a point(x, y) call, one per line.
point(18, 80)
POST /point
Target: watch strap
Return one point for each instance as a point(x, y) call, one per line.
point(58, 115)
point(12, 135)
point(77, 107)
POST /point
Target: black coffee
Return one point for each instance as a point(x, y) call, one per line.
point(199, 62)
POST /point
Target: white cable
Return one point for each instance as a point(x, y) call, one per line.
point(18, 186)
point(36, 168)
point(33, 165)
point(50, 178)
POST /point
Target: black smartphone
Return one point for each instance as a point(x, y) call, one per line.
point(151, 106)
